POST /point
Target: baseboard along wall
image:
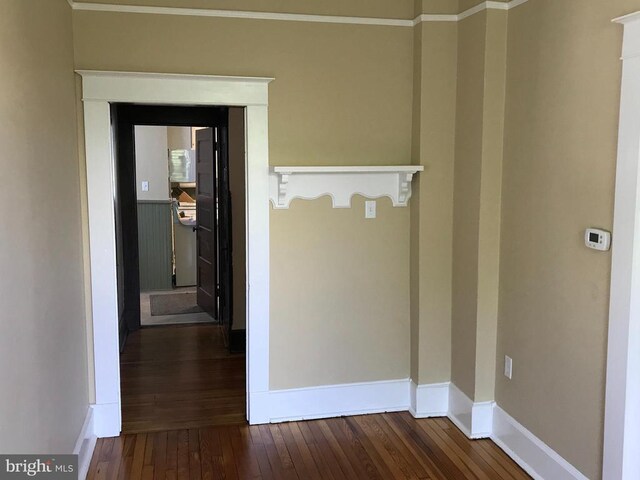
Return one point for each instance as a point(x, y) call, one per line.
point(475, 419)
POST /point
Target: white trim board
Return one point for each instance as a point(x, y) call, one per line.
point(474, 419)
point(295, 17)
point(326, 401)
point(85, 445)
point(429, 400)
point(101, 88)
point(532, 454)
point(339, 400)
point(622, 400)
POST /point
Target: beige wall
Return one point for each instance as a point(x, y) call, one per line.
point(559, 165)
point(342, 95)
point(347, 88)
point(355, 96)
point(339, 294)
point(490, 202)
point(433, 141)
point(477, 190)
point(44, 394)
point(466, 200)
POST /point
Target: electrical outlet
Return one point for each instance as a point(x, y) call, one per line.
point(145, 186)
point(370, 209)
point(508, 366)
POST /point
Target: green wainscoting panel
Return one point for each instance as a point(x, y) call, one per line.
point(154, 244)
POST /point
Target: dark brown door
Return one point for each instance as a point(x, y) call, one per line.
point(206, 241)
point(225, 264)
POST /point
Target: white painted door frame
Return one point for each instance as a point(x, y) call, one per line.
point(99, 90)
point(621, 458)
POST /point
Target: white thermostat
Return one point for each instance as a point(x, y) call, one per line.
point(597, 239)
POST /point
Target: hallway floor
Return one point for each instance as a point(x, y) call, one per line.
point(387, 446)
point(148, 320)
point(180, 376)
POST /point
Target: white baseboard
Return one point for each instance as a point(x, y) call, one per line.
point(85, 444)
point(430, 400)
point(338, 400)
point(474, 419)
point(258, 408)
point(106, 419)
point(532, 454)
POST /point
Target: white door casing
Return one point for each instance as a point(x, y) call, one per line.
point(99, 90)
point(622, 403)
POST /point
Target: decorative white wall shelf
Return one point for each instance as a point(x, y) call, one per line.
point(341, 183)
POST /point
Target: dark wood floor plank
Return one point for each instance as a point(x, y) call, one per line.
point(93, 465)
point(470, 452)
point(303, 461)
point(354, 451)
point(397, 466)
point(421, 455)
point(195, 469)
point(246, 461)
point(126, 458)
point(503, 459)
point(171, 472)
point(275, 460)
point(180, 377)
point(462, 460)
point(183, 455)
point(138, 456)
point(322, 432)
point(114, 455)
point(228, 456)
point(205, 453)
point(321, 452)
point(217, 461)
point(160, 457)
point(100, 473)
point(396, 446)
point(261, 453)
point(447, 462)
point(281, 447)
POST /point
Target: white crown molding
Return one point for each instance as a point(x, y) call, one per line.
point(341, 183)
point(532, 454)
point(626, 19)
point(205, 12)
point(295, 17)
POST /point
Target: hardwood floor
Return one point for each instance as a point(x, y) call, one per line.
point(180, 376)
point(386, 446)
point(183, 404)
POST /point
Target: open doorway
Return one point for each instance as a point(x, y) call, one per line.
point(179, 208)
